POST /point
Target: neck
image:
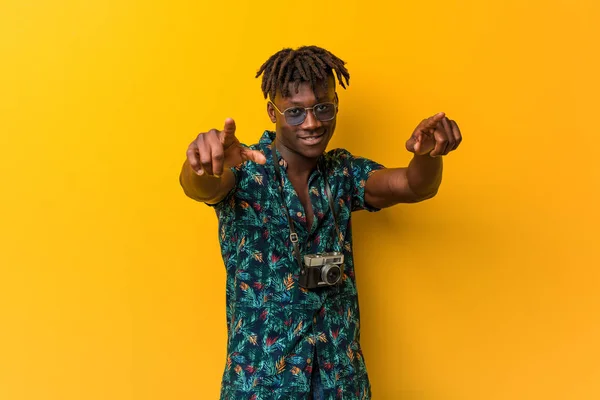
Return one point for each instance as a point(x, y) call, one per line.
point(297, 165)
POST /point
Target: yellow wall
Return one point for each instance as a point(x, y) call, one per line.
point(111, 284)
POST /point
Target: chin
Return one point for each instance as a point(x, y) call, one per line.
point(314, 151)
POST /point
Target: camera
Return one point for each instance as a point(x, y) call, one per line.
point(323, 269)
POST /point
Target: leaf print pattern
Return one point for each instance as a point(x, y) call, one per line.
point(288, 282)
point(277, 330)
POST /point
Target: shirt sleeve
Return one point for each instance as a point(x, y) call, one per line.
point(236, 174)
point(359, 169)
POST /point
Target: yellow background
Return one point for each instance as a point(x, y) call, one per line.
point(112, 286)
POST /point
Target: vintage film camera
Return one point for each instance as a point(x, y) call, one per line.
point(325, 269)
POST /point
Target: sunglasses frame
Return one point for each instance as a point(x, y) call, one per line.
point(306, 109)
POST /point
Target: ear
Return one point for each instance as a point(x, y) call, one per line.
point(337, 100)
point(271, 112)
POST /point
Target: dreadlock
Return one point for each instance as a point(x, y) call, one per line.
point(305, 64)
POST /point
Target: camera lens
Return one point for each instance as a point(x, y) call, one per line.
point(331, 274)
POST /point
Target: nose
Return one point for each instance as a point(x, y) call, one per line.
point(311, 122)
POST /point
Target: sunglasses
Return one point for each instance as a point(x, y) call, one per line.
point(296, 115)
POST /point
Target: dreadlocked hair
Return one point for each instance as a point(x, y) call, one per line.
point(305, 64)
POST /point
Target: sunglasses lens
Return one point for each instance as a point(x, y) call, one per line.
point(295, 116)
point(325, 111)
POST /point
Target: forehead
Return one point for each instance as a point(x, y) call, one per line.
point(306, 95)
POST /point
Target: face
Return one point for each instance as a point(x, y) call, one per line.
point(309, 139)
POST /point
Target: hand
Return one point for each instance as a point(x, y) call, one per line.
point(214, 151)
point(436, 136)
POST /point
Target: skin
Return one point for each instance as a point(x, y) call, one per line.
point(205, 175)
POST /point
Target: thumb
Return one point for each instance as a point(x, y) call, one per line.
point(414, 143)
point(417, 146)
point(253, 155)
point(410, 143)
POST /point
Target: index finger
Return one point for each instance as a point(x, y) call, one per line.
point(431, 122)
point(228, 130)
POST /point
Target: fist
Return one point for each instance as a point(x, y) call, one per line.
point(436, 136)
point(214, 151)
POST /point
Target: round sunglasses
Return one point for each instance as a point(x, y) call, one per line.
point(297, 115)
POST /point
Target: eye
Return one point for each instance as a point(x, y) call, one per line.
point(323, 107)
point(294, 112)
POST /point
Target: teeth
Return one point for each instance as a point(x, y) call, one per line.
point(312, 139)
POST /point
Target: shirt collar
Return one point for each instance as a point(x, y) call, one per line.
point(266, 140)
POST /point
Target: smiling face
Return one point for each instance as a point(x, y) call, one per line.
point(307, 141)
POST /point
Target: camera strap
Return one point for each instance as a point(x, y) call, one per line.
point(293, 234)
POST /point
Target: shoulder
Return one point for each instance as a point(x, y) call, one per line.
point(341, 158)
point(344, 160)
point(336, 157)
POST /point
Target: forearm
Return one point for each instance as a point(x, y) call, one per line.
point(417, 182)
point(205, 188)
point(424, 175)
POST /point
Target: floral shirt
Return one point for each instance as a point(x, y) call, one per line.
point(278, 331)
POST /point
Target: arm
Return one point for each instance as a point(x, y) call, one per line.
point(433, 138)
point(419, 181)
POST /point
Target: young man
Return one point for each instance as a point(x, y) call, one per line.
point(284, 207)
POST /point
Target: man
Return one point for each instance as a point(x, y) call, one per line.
point(292, 313)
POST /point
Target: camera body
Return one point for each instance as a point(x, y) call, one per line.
point(324, 269)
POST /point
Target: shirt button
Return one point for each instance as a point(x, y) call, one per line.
point(299, 214)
